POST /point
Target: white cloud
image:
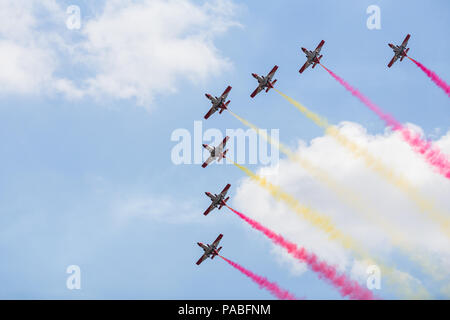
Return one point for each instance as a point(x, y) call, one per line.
point(159, 208)
point(142, 49)
point(423, 236)
point(26, 62)
point(131, 49)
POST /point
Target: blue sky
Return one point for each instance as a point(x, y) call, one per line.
point(68, 165)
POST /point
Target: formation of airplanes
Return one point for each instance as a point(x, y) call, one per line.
point(264, 83)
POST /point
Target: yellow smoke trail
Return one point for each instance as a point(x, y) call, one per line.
point(325, 224)
point(425, 205)
point(354, 201)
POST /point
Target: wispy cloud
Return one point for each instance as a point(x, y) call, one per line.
point(128, 50)
point(422, 234)
point(158, 208)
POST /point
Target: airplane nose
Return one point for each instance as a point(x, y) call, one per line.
point(205, 145)
point(199, 244)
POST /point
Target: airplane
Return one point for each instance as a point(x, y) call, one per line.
point(218, 103)
point(264, 82)
point(312, 56)
point(217, 200)
point(399, 51)
point(210, 249)
point(216, 152)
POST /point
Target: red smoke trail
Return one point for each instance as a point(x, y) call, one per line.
point(262, 282)
point(346, 287)
point(431, 153)
point(433, 76)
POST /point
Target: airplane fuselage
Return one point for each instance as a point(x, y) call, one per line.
point(311, 55)
point(217, 102)
point(398, 50)
point(216, 199)
point(207, 248)
point(262, 80)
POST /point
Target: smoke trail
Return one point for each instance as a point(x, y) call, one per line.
point(433, 76)
point(345, 286)
point(425, 205)
point(325, 224)
point(431, 153)
point(353, 200)
point(262, 282)
point(312, 216)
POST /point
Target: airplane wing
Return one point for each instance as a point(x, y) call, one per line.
point(210, 208)
point(225, 93)
point(216, 242)
point(306, 65)
point(208, 161)
point(222, 144)
point(319, 47)
point(202, 258)
point(257, 90)
point(405, 42)
point(272, 72)
point(225, 190)
point(392, 61)
point(210, 112)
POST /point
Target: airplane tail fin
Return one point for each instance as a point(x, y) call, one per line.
point(317, 61)
point(224, 155)
point(271, 85)
point(403, 56)
point(216, 253)
point(224, 202)
point(224, 106)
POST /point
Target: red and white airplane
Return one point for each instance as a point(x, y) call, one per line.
point(216, 152)
point(218, 103)
point(399, 51)
point(312, 56)
point(264, 82)
point(209, 249)
point(218, 200)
